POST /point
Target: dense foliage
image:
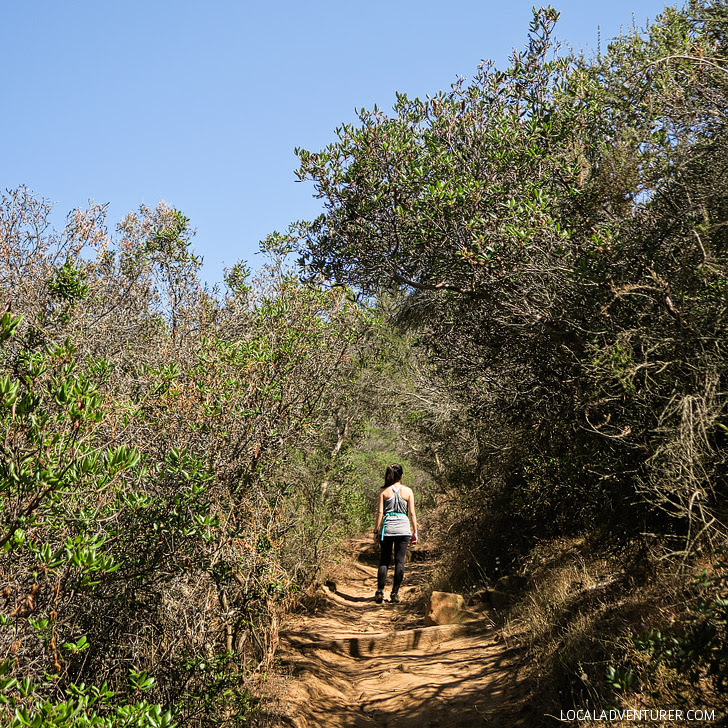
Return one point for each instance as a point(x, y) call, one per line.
point(548, 247)
point(154, 437)
point(556, 238)
point(559, 230)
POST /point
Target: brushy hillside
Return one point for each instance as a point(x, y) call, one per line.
point(159, 446)
point(518, 287)
point(557, 236)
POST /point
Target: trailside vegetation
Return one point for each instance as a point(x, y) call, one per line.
point(557, 234)
point(154, 439)
point(520, 284)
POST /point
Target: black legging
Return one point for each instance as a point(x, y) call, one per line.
point(400, 549)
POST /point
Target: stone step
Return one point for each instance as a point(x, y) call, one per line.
point(384, 643)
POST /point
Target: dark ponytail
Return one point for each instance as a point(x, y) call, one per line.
point(393, 475)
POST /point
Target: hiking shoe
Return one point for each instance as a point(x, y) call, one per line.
point(394, 597)
point(378, 597)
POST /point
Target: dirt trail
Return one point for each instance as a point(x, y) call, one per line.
point(358, 664)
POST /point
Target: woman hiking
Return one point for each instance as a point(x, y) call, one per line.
point(396, 507)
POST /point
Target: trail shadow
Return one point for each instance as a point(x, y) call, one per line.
point(349, 670)
point(431, 691)
point(352, 598)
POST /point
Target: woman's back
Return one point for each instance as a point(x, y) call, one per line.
point(395, 511)
point(397, 502)
point(396, 507)
point(404, 491)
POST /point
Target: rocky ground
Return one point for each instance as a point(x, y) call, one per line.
point(357, 664)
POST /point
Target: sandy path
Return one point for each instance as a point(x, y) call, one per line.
point(357, 664)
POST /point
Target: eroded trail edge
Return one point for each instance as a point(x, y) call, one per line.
point(358, 664)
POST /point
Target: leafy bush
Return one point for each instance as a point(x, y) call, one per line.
point(554, 232)
point(147, 481)
point(695, 646)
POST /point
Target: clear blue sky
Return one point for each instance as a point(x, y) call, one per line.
point(201, 103)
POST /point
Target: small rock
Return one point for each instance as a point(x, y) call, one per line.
point(511, 583)
point(498, 599)
point(447, 608)
point(479, 597)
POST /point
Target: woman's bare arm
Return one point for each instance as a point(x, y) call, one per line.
point(380, 514)
point(413, 514)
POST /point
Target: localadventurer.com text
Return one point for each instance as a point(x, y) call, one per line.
point(667, 716)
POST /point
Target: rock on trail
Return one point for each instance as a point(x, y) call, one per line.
point(358, 664)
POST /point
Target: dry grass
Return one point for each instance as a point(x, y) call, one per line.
point(580, 614)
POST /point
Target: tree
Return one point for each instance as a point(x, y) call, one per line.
point(556, 228)
point(150, 435)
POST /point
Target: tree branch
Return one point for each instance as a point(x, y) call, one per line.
point(432, 286)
